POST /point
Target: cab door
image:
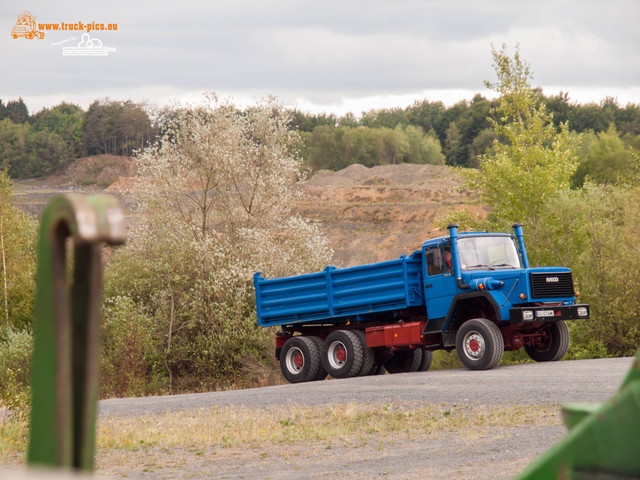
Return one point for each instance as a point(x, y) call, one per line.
point(439, 282)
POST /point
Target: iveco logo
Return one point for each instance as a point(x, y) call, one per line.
point(553, 279)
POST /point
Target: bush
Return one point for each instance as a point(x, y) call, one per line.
point(187, 268)
point(131, 359)
point(15, 371)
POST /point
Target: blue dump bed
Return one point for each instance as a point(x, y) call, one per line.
point(334, 294)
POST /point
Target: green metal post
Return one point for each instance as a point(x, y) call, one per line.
point(603, 441)
point(66, 329)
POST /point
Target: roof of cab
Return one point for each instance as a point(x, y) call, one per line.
point(439, 240)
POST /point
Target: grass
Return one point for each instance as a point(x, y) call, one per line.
point(13, 438)
point(227, 427)
point(227, 430)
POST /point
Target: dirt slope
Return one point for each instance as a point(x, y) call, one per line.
point(370, 214)
point(380, 213)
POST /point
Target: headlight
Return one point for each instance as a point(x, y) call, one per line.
point(527, 315)
point(583, 311)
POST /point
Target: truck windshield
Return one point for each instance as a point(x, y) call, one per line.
point(488, 252)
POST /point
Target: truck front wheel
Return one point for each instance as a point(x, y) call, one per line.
point(552, 345)
point(343, 354)
point(479, 344)
point(300, 360)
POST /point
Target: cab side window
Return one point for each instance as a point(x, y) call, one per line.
point(435, 262)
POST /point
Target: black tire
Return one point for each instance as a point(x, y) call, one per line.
point(342, 354)
point(322, 373)
point(377, 369)
point(479, 344)
point(556, 345)
point(300, 360)
point(368, 355)
point(404, 361)
point(425, 363)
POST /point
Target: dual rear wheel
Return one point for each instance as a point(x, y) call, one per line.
point(300, 359)
point(413, 360)
point(343, 354)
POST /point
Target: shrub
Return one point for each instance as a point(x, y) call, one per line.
point(15, 374)
point(130, 352)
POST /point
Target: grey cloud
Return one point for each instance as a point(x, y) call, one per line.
point(329, 50)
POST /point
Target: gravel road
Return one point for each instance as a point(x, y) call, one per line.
point(532, 383)
point(477, 453)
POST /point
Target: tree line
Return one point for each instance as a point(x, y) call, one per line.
point(458, 135)
point(43, 143)
point(425, 132)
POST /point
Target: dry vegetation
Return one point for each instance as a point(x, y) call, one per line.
point(182, 442)
point(232, 427)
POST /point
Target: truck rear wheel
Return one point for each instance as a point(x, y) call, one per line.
point(425, 363)
point(368, 356)
point(343, 354)
point(300, 360)
point(479, 344)
point(322, 373)
point(404, 361)
point(553, 345)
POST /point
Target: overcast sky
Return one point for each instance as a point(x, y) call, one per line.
point(333, 56)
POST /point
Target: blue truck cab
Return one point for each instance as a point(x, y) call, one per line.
point(474, 292)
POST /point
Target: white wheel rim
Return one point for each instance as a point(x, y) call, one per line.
point(473, 345)
point(294, 354)
point(337, 354)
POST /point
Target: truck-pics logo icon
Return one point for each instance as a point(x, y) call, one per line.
point(26, 27)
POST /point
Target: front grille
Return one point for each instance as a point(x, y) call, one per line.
point(551, 285)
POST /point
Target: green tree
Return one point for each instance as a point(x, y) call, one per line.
point(593, 231)
point(117, 128)
point(17, 258)
point(453, 147)
point(423, 148)
point(67, 121)
point(609, 160)
point(428, 115)
point(25, 152)
point(389, 118)
point(481, 143)
point(16, 111)
point(530, 161)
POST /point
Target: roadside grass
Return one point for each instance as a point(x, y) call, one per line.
point(227, 429)
point(13, 440)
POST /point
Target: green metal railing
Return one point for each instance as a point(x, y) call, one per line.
point(66, 328)
point(603, 442)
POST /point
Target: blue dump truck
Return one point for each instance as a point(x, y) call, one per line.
point(473, 292)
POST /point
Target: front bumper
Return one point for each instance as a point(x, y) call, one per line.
point(549, 313)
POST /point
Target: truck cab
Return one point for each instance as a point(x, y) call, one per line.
point(486, 276)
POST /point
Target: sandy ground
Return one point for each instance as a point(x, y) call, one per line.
point(497, 453)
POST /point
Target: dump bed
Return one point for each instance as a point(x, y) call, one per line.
point(334, 294)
